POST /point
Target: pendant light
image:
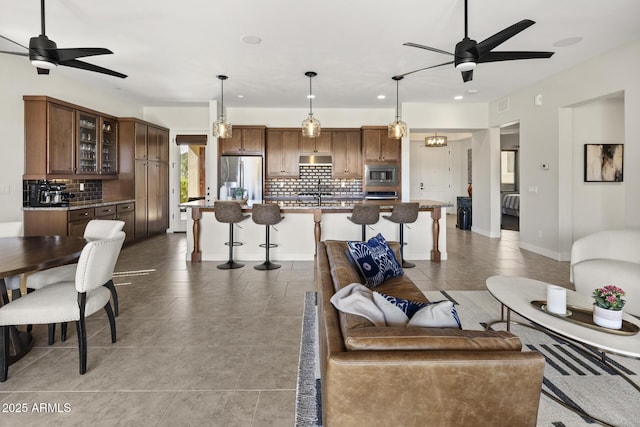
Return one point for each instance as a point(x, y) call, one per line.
point(222, 128)
point(435, 141)
point(310, 125)
point(397, 128)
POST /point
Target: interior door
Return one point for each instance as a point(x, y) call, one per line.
point(430, 173)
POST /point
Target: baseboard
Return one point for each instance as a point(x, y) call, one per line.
point(544, 252)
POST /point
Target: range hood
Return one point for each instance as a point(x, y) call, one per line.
point(315, 160)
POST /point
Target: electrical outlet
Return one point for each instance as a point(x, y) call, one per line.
point(5, 189)
point(82, 186)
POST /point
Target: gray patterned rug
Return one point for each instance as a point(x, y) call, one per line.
point(570, 375)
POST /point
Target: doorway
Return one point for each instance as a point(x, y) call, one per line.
point(510, 177)
point(191, 176)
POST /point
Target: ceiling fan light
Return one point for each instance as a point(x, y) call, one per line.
point(311, 127)
point(466, 66)
point(397, 129)
point(41, 63)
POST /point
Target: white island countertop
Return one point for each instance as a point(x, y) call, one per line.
point(306, 223)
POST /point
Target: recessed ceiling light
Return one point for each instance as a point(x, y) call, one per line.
point(472, 91)
point(382, 96)
point(458, 97)
point(248, 39)
point(240, 96)
point(568, 41)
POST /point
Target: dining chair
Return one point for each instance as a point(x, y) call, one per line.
point(68, 300)
point(12, 229)
point(97, 229)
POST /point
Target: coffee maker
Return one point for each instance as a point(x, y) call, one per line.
point(46, 194)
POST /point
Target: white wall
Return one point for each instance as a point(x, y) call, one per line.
point(546, 216)
point(597, 122)
point(485, 146)
point(18, 78)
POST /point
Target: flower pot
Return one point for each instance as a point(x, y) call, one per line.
point(611, 319)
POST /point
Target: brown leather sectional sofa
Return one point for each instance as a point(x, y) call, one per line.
point(384, 376)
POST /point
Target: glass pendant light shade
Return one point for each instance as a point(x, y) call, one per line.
point(311, 126)
point(221, 127)
point(397, 128)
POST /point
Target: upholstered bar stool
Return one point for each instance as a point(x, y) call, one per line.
point(365, 215)
point(267, 214)
point(404, 213)
point(231, 213)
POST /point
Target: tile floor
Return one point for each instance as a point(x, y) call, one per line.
point(201, 346)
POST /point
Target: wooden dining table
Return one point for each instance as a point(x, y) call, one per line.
point(26, 254)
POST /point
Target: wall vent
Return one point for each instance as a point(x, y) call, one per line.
point(503, 105)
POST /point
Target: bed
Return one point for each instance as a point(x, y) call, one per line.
point(511, 204)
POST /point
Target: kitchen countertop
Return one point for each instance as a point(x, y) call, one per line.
point(81, 205)
point(328, 205)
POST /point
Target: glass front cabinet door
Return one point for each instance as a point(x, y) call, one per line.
point(109, 147)
point(87, 144)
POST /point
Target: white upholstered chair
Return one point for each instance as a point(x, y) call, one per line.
point(11, 229)
point(67, 301)
point(610, 257)
point(96, 229)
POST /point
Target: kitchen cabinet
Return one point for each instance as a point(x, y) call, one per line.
point(377, 147)
point(66, 141)
point(316, 146)
point(245, 141)
point(143, 174)
point(282, 153)
point(346, 154)
point(78, 220)
point(126, 212)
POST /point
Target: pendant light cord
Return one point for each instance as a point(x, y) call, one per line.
point(310, 97)
point(222, 96)
point(397, 99)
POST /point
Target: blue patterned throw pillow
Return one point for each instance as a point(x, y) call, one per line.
point(375, 260)
point(402, 312)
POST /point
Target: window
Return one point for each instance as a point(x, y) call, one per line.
point(508, 170)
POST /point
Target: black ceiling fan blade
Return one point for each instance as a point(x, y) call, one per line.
point(467, 76)
point(14, 42)
point(502, 36)
point(43, 70)
point(422, 69)
point(91, 67)
point(14, 53)
point(80, 52)
point(432, 49)
point(512, 56)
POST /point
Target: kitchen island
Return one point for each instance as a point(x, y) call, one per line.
point(304, 225)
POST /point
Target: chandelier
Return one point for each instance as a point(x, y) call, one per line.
point(435, 141)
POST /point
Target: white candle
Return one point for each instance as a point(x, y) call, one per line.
point(556, 299)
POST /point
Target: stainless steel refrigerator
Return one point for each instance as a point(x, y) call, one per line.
point(241, 172)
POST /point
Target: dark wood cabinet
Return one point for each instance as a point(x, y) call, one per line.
point(378, 147)
point(66, 141)
point(282, 153)
point(144, 174)
point(244, 141)
point(346, 154)
point(316, 146)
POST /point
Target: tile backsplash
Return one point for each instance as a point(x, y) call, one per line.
point(307, 182)
point(92, 190)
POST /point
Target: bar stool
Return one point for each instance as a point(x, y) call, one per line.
point(229, 212)
point(267, 214)
point(365, 215)
point(403, 213)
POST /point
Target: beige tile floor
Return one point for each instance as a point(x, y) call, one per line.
point(205, 347)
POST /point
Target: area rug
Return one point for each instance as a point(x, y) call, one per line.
point(570, 375)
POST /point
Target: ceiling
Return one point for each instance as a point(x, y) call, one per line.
point(172, 51)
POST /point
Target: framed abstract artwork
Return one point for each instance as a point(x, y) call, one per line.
point(603, 162)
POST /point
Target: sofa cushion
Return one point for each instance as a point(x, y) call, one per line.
point(402, 312)
point(375, 260)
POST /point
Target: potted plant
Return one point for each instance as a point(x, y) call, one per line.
point(607, 308)
point(238, 193)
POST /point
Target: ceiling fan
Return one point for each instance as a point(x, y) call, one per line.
point(45, 55)
point(469, 53)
